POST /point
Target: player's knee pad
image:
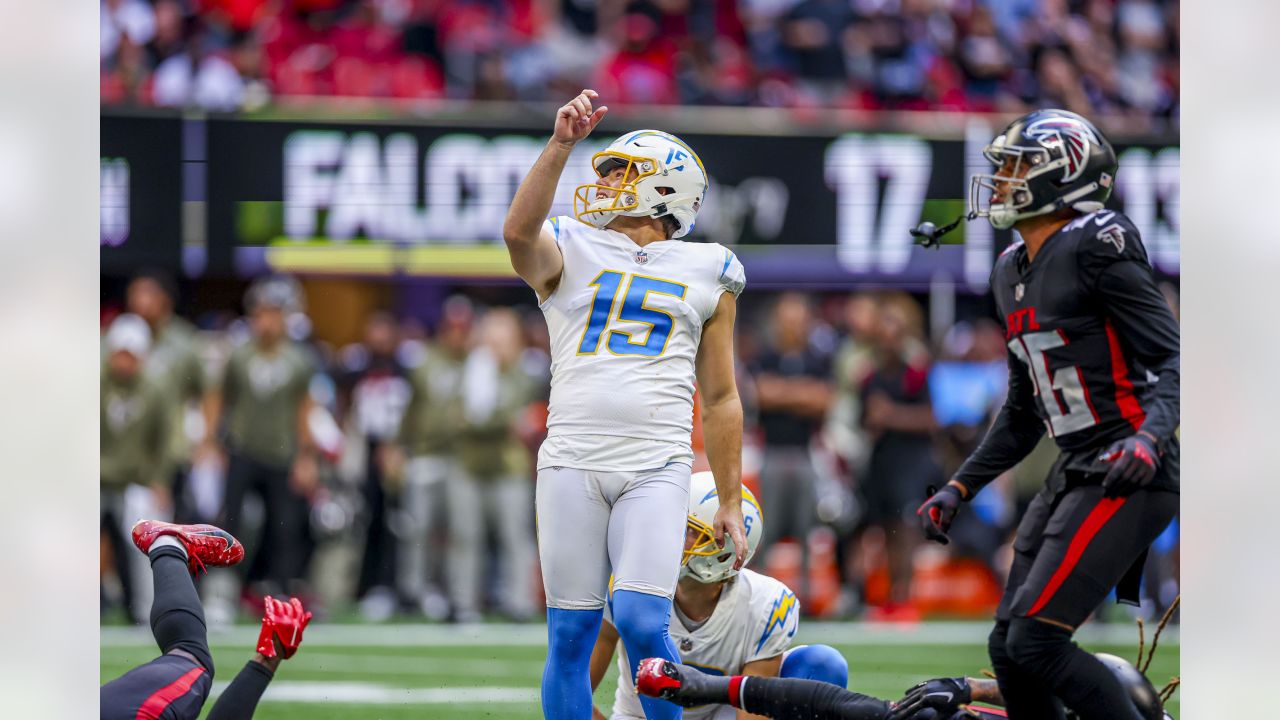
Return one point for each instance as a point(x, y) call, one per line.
point(816, 662)
point(1036, 646)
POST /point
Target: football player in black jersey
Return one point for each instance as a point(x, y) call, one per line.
point(1094, 361)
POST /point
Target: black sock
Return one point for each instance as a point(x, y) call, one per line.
point(1080, 679)
point(177, 618)
point(795, 699)
point(1025, 696)
point(241, 697)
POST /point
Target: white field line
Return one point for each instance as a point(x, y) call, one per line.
point(325, 663)
point(328, 693)
point(415, 635)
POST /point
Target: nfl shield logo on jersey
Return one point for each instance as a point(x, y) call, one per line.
point(686, 644)
point(1018, 291)
point(641, 257)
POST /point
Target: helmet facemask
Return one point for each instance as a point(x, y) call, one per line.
point(598, 210)
point(662, 178)
point(719, 563)
point(1017, 195)
point(705, 560)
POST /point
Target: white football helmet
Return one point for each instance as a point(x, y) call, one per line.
point(660, 160)
point(706, 561)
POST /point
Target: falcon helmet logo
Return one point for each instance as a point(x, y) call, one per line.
point(1069, 136)
point(1113, 234)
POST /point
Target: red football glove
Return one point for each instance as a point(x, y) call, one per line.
point(282, 623)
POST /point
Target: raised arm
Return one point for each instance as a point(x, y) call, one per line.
point(534, 253)
point(282, 627)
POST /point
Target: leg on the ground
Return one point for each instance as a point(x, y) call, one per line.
point(112, 511)
point(508, 502)
point(1091, 545)
point(287, 517)
point(140, 504)
point(573, 522)
point(642, 622)
point(414, 517)
point(566, 678)
point(1086, 685)
point(901, 539)
point(646, 539)
point(816, 662)
point(1025, 696)
point(466, 542)
point(377, 564)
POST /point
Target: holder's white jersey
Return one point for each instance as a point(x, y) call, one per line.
point(625, 323)
point(756, 619)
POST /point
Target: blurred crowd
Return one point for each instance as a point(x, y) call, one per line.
point(1116, 57)
point(394, 475)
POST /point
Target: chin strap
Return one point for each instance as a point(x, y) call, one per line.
point(929, 235)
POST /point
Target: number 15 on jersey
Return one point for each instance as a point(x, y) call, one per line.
point(632, 309)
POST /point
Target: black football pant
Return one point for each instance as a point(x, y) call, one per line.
point(281, 555)
point(172, 686)
point(1071, 550)
point(175, 686)
point(378, 566)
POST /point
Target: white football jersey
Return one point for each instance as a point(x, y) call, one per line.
point(625, 323)
point(756, 619)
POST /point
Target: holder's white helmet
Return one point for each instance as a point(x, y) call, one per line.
point(660, 160)
point(707, 562)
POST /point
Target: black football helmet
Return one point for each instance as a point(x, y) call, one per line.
point(1143, 694)
point(1067, 163)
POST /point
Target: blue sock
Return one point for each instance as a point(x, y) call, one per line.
point(642, 621)
point(566, 678)
point(816, 662)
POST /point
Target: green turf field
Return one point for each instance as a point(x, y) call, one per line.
point(371, 672)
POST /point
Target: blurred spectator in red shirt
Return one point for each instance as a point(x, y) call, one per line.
point(1109, 57)
point(643, 70)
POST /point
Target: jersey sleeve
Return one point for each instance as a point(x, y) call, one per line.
point(778, 620)
point(1107, 238)
point(1146, 330)
point(552, 225)
point(1114, 270)
point(732, 276)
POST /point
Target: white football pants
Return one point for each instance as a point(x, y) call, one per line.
point(589, 522)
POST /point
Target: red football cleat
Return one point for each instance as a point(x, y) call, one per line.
point(205, 544)
point(658, 678)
